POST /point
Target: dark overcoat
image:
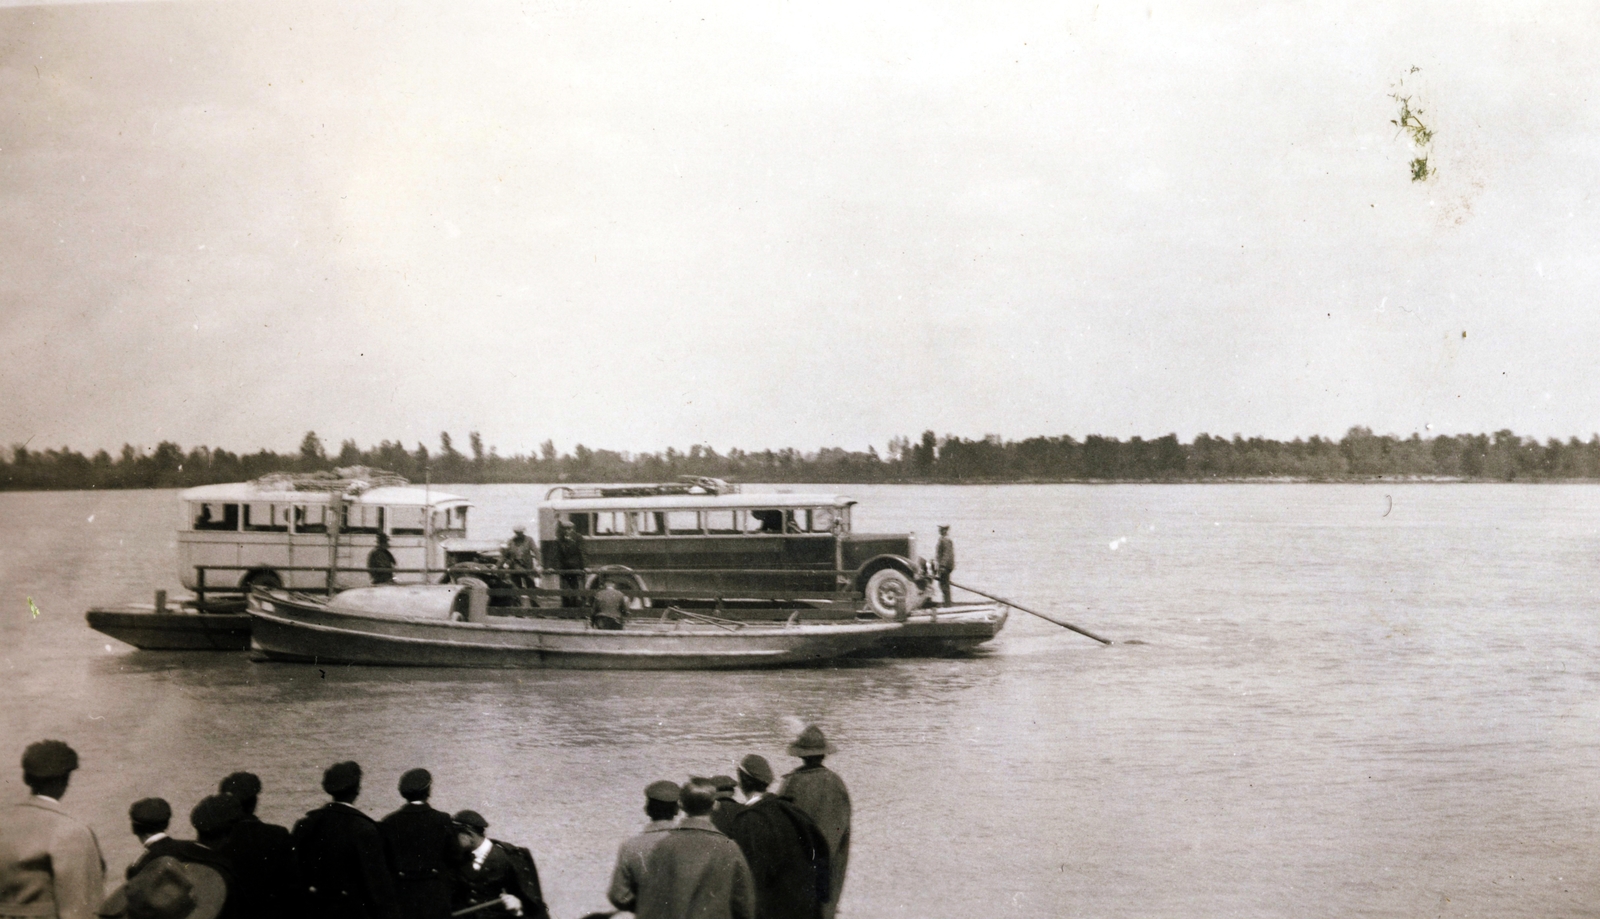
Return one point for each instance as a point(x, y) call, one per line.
point(506, 869)
point(263, 862)
point(342, 863)
point(424, 854)
point(788, 858)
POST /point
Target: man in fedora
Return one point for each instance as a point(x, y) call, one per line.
point(787, 854)
point(944, 561)
point(661, 806)
point(262, 855)
point(422, 845)
point(168, 888)
point(50, 862)
point(820, 792)
point(340, 854)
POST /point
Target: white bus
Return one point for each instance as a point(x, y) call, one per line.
point(288, 530)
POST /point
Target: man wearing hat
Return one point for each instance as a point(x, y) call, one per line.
point(944, 561)
point(519, 556)
point(340, 856)
point(820, 792)
point(150, 818)
point(787, 854)
point(696, 871)
point(213, 820)
point(569, 558)
point(262, 856)
point(727, 805)
point(494, 870)
point(50, 863)
point(380, 561)
point(661, 806)
point(422, 848)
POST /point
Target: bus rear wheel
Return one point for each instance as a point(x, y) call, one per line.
point(889, 593)
point(626, 583)
point(261, 580)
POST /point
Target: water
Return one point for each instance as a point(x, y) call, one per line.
point(1350, 700)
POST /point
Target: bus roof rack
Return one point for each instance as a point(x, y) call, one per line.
point(687, 485)
point(345, 480)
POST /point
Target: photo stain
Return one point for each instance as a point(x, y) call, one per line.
point(33, 610)
point(1410, 122)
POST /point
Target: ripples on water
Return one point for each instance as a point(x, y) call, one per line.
point(1336, 711)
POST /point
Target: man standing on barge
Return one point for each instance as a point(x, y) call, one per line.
point(944, 561)
point(569, 558)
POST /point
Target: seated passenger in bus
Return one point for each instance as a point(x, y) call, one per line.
point(771, 521)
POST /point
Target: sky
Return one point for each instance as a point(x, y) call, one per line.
point(761, 225)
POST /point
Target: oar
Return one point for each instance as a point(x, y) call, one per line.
point(1061, 622)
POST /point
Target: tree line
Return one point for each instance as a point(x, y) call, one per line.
point(1359, 455)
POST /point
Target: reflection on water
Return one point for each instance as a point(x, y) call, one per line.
point(1348, 700)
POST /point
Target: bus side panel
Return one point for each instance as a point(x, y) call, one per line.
point(409, 552)
point(260, 550)
point(206, 549)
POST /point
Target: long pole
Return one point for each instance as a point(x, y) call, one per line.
point(1061, 622)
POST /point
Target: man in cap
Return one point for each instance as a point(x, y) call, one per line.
point(820, 792)
point(494, 870)
point(696, 871)
point(569, 558)
point(727, 805)
point(422, 847)
point(944, 561)
point(262, 855)
point(380, 561)
point(213, 820)
point(519, 556)
point(661, 806)
point(788, 855)
point(50, 863)
point(150, 818)
point(340, 854)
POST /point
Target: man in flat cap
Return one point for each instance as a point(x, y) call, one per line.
point(149, 818)
point(944, 561)
point(422, 850)
point(788, 855)
point(494, 870)
point(696, 871)
point(820, 792)
point(213, 820)
point(50, 863)
point(340, 854)
point(727, 805)
point(262, 855)
point(661, 806)
point(519, 556)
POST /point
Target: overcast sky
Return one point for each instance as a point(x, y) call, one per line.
point(764, 225)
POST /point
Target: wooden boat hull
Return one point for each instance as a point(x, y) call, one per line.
point(938, 631)
point(173, 630)
point(299, 628)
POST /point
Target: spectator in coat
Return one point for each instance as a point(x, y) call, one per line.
point(340, 854)
point(380, 561)
point(787, 854)
point(495, 870)
point(696, 871)
point(150, 818)
point(50, 862)
point(820, 792)
point(569, 558)
point(262, 855)
point(422, 845)
point(661, 806)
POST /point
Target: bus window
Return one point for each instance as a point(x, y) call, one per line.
point(649, 523)
point(720, 522)
point(611, 523)
point(683, 523)
point(764, 522)
point(823, 520)
point(362, 518)
point(266, 518)
point(797, 521)
point(311, 518)
point(406, 521)
point(216, 517)
point(450, 519)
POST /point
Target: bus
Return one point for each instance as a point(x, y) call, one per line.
point(705, 535)
point(289, 530)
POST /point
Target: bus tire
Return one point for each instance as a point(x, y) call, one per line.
point(261, 580)
point(627, 583)
point(890, 592)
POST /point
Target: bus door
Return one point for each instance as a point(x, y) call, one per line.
point(808, 545)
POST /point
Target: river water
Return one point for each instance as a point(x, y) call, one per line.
point(1325, 700)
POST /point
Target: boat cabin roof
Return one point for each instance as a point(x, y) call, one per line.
point(697, 502)
point(389, 495)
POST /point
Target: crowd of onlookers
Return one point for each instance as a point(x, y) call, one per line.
point(725, 847)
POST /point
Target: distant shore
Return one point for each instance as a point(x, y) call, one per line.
point(1358, 457)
